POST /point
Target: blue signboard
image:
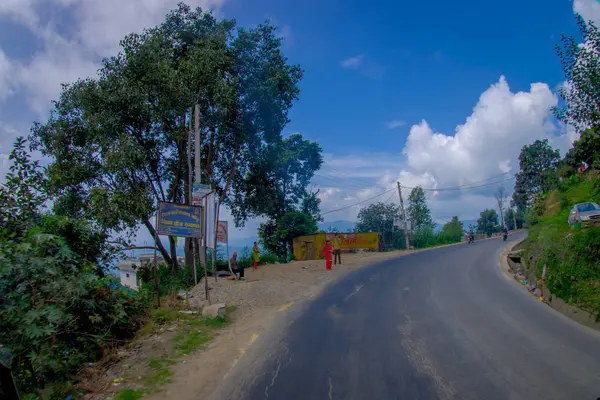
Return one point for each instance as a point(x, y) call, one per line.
point(179, 220)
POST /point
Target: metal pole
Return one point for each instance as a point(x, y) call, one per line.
point(403, 216)
point(156, 260)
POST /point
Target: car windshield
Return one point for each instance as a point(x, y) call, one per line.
point(588, 207)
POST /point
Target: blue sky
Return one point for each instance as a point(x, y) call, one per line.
point(435, 93)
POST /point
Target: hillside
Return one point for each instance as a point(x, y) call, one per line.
point(572, 257)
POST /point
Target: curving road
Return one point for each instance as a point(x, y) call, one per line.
point(440, 324)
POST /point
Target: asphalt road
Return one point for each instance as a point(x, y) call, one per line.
point(441, 324)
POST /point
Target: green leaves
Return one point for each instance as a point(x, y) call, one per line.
point(23, 193)
point(418, 211)
point(55, 313)
point(277, 235)
point(581, 66)
point(487, 222)
point(538, 162)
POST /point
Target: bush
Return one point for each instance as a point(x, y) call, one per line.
point(573, 263)
point(269, 258)
point(56, 312)
point(168, 281)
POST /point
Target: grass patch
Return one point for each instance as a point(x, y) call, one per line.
point(165, 315)
point(129, 394)
point(196, 333)
point(161, 375)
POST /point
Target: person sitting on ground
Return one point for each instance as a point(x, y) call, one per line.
point(238, 270)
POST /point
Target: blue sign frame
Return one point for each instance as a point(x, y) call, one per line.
point(179, 220)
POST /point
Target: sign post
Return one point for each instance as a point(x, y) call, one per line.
point(178, 220)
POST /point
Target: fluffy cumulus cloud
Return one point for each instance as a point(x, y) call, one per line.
point(487, 145)
point(95, 28)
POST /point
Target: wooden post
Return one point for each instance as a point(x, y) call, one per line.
point(156, 239)
point(403, 217)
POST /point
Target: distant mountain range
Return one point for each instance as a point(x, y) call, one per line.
point(340, 226)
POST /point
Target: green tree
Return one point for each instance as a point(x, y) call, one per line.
point(581, 66)
point(277, 235)
point(487, 222)
point(452, 230)
point(418, 211)
point(585, 149)
point(283, 174)
point(23, 194)
point(119, 143)
point(279, 180)
point(538, 163)
point(510, 220)
point(379, 217)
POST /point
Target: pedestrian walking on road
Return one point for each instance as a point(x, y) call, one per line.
point(327, 251)
point(255, 256)
point(337, 249)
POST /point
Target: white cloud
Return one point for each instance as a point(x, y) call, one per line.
point(7, 71)
point(4, 165)
point(97, 27)
point(395, 124)
point(486, 145)
point(588, 9)
point(353, 62)
point(491, 138)
point(8, 134)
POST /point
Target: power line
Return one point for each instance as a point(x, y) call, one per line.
point(389, 198)
point(340, 182)
point(469, 186)
point(330, 169)
point(355, 204)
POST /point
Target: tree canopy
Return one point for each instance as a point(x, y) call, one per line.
point(418, 210)
point(581, 66)
point(453, 229)
point(488, 221)
point(379, 217)
point(537, 162)
point(119, 142)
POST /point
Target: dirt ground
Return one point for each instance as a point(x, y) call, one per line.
point(258, 300)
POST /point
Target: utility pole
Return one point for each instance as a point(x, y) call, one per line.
point(403, 216)
point(198, 171)
point(515, 218)
point(190, 241)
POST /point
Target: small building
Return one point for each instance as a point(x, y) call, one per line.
point(128, 267)
point(310, 247)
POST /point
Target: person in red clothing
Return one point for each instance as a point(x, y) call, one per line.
point(327, 251)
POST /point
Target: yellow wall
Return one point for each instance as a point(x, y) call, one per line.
point(310, 247)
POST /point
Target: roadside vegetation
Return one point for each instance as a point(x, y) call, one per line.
point(117, 144)
point(548, 186)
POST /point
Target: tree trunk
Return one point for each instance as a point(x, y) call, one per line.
point(158, 243)
point(173, 248)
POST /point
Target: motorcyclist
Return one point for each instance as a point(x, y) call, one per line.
point(504, 233)
point(470, 234)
